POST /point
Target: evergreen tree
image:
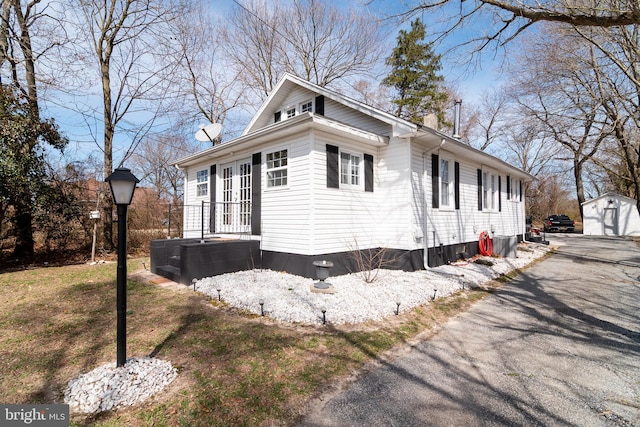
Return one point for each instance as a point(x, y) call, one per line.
point(414, 76)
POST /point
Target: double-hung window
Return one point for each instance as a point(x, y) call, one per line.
point(277, 162)
point(489, 190)
point(202, 183)
point(350, 169)
point(446, 183)
point(290, 112)
point(515, 190)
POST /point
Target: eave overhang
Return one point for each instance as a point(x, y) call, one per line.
point(301, 123)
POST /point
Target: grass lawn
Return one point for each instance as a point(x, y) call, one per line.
point(235, 369)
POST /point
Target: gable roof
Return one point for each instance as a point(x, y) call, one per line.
point(610, 194)
point(288, 82)
point(262, 127)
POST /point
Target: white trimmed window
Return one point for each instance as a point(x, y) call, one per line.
point(290, 112)
point(350, 169)
point(306, 107)
point(515, 190)
point(202, 183)
point(446, 183)
point(489, 190)
point(277, 162)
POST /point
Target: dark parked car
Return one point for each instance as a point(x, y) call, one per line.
point(559, 223)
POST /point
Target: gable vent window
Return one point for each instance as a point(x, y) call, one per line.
point(306, 107)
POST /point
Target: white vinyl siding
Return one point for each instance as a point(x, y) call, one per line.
point(459, 226)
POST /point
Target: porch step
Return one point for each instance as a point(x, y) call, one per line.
point(170, 272)
point(174, 261)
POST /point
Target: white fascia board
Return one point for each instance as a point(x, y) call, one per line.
point(296, 124)
point(458, 147)
point(611, 194)
point(342, 129)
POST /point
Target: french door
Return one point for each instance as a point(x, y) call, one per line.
point(235, 210)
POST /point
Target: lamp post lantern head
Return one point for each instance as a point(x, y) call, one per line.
point(123, 184)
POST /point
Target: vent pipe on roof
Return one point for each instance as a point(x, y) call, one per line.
point(456, 118)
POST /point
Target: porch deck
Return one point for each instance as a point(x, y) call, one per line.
point(183, 260)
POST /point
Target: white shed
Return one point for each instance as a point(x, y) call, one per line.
point(611, 215)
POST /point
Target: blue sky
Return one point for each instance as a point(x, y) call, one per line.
point(471, 80)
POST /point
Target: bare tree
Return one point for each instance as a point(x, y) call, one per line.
point(614, 58)
point(124, 45)
point(206, 85)
point(154, 159)
point(556, 88)
point(321, 43)
point(511, 17)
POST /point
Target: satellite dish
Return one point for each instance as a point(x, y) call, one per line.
point(209, 132)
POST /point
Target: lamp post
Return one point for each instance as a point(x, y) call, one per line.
point(122, 183)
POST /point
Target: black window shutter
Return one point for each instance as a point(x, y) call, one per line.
point(435, 182)
point(520, 190)
point(368, 172)
point(479, 189)
point(456, 177)
point(499, 193)
point(333, 177)
point(320, 105)
point(508, 187)
point(212, 199)
point(277, 116)
point(256, 193)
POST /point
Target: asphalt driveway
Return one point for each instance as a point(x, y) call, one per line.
point(559, 345)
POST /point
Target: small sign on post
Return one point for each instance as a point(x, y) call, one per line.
point(94, 215)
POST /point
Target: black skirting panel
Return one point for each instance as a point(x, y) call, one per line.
point(343, 262)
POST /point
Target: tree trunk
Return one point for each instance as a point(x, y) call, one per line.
point(24, 247)
point(577, 172)
point(107, 217)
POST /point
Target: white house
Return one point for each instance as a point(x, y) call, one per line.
point(317, 175)
point(611, 215)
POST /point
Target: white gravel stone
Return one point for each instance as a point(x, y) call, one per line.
point(109, 387)
point(288, 297)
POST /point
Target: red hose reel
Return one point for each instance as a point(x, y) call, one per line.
point(485, 245)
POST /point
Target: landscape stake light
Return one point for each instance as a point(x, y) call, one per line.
point(435, 291)
point(194, 284)
point(219, 299)
point(324, 317)
point(122, 183)
point(261, 307)
point(397, 307)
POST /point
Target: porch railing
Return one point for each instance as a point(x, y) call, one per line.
point(208, 218)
